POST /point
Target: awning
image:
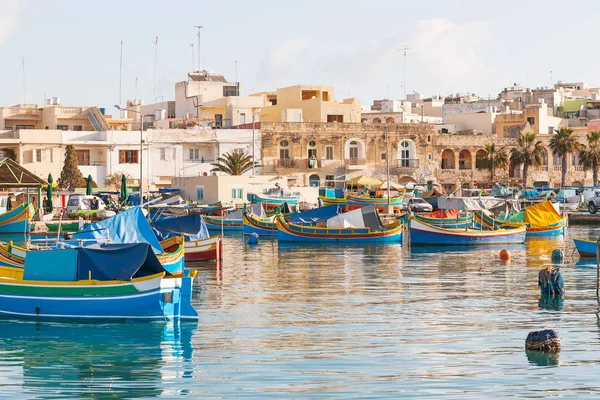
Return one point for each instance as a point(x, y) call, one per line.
point(364, 180)
point(12, 175)
point(471, 203)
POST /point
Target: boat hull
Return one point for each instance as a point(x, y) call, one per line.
point(261, 228)
point(311, 234)
point(354, 202)
point(556, 229)
point(17, 221)
point(424, 234)
point(230, 225)
point(586, 248)
point(273, 200)
point(155, 298)
point(210, 249)
point(448, 223)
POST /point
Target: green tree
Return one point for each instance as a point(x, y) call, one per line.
point(563, 144)
point(70, 176)
point(10, 153)
point(234, 163)
point(493, 158)
point(113, 181)
point(589, 156)
point(528, 152)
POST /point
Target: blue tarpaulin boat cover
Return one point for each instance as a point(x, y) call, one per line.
point(103, 262)
point(315, 215)
point(130, 226)
point(192, 226)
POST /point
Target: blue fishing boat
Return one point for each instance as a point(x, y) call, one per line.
point(358, 226)
point(268, 226)
point(131, 226)
point(586, 248)
point(18, 220)
point(233, 222)
point(426, 234)
point(446, 220)
point(199, 245)
point(353, 202)
point(275, 197)
point(102, 281)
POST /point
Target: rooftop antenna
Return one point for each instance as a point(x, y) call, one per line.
point(199, 27)
point(23, 65)
point(135, 82)
point(120, 73)
point(155, 68)
point(193, 58)
point(404, 49)
point(551, 78)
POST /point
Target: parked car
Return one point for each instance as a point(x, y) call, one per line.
point(594, 203)
point(418, 205)
point(84, 203)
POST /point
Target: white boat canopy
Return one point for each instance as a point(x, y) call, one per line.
point(473, 203)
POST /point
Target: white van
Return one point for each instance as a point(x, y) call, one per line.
point(83, 202)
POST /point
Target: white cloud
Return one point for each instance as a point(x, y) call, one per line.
point(9, 17)
point(277, 63)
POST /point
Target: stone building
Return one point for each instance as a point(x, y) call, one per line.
point(313, 154)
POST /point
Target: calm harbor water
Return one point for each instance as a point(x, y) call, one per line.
point(339, 322)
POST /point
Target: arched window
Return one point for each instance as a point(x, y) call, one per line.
point(354, 150)
point(284, 151)
point(464, 160)
point(447, 159)
point(407, 154)
point(284, 143)
point(389, 120)
point(376, 120)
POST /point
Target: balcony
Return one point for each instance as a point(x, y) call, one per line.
point(22, 112)
point(407, 163)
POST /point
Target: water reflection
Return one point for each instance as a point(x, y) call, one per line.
point(542, 359)
point(551, 302)
point(95, 360)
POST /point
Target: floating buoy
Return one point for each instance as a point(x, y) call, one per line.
point(504, 255)
point(550, 281)
point(558, 256)
point(253, 238)
point(546, 340)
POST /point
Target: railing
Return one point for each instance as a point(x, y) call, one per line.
point(355, 161)
point(557, 168)
point(71, 110)
point(407, 163)
point(448, 167)
point(97, 119)
point(203, 160)
point(541, 168)
point(25, 111)
point(578, 168)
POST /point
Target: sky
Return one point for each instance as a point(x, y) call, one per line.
point(71, 48)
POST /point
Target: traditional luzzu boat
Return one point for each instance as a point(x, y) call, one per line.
point(131, 226)
point(268, 226)
point(64, 227)
point(450, 219)
point(171, 258)
point(422, 233)
point(431, 196)
point(199, 245)
point(541, 219)
point(18, 220)
point(332, 196)
point(353, 202)
point(586, 248)
point(232, 221)
point(99, 282)
point(359, 226)
point(275, 197)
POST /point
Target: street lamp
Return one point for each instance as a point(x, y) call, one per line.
point(253, 124)
point(141, 149)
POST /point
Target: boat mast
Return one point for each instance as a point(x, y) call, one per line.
point(387, 164)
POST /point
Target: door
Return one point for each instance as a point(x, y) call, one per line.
point(218, 120)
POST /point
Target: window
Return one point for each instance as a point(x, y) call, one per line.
point(8, 127)
point(383, 156)
point(329, 152)
point(531, 120)
point(163, 153)
point(25, 127)
point(239, 150)
point(312, 143)
point(284, 143)
point(62, 127)
point(242, 118)
point(353, 150)
point(230, 91)
point(236, 194)
point(200, 193)
point(284, 151)
point(195, 154)
point(37, 155)
point(128, 156)
point(335, 118)
point(329, 180)
point(78, 128)
point(83, 157)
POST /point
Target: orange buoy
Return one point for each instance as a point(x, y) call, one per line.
point(504, 255)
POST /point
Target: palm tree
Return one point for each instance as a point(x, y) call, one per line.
point(528, 153)
point(563, 144)
point(492, 159)
point(234, 163)
point(589, 156)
